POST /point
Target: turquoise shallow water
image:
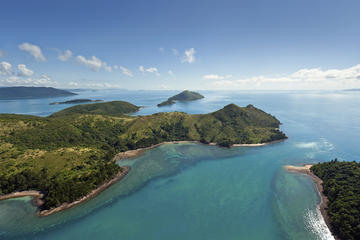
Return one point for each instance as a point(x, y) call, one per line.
point(193, 191)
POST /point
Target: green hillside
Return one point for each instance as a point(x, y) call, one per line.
point(183, 96)
point(116, 108)
point(341, 183)
point(68, 154)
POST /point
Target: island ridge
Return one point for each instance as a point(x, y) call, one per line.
point(183, 96)
point(9, 93)
point(69, 154)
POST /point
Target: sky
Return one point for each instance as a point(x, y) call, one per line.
point(181, 44)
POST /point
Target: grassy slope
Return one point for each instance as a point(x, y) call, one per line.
point(341, 182)
point(68, 154)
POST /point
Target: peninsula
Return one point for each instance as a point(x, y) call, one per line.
point(76, 101)
point(9, 93)
point(68, 157)
point(183, 96)
point(338, 184)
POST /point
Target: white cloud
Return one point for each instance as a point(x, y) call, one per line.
point(73, 84)
point(33, 50)
point(14, 80)
point(161, 49)
point(2, 53)
point(175, 52)
point(93, 63)
point(216, 77)
point(189, 55)
point(141, 69)
point(149, 70)
point(115, 66)
point(152, 70)
point(66, 55)
point(171, 73)
point(24, 71)
point(97, 84)
point(5, 68)
point(44, 80)
point(106, 67)
point(126, 71)
point(313, 78)
point(102, 85)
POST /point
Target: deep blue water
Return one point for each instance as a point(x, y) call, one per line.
point(193, 191)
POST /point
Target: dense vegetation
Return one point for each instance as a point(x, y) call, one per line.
point(165, 103)
point(69, 153)
point(116, 108)
point(76, 101)
point(183, 96)
point(341, 183)
point(32, 92)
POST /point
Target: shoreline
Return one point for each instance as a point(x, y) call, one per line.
point(87, 197)
point(323, 205)
point(37, 195)
point(137, 152)
point(37, 200)
point(257, 144)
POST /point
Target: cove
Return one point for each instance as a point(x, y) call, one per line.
point(184, 190)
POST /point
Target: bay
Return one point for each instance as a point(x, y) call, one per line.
point(194, 191)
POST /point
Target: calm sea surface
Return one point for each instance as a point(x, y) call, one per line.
point(193, 191)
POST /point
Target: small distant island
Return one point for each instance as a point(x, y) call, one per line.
point(76, 101)
point(352, 90)
point(12, 93)
point(69, 157)
point(339, 186)
point(183, 96)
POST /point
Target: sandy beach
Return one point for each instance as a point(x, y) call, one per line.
point(257, 144)
point(31, 193)
point(323, 205)
point(139, 151)
point(302, 169)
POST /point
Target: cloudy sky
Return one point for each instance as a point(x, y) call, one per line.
point(181, 44)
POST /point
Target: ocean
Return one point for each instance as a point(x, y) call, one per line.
point(195, 191)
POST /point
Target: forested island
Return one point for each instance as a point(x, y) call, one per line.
point(77, 101)
point(115, 108)
point(341, 186)
point(8, 93)
point(338, 184)
point(183, 96)
point(69, 154)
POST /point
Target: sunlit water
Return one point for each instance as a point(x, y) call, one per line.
point(194, 191)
